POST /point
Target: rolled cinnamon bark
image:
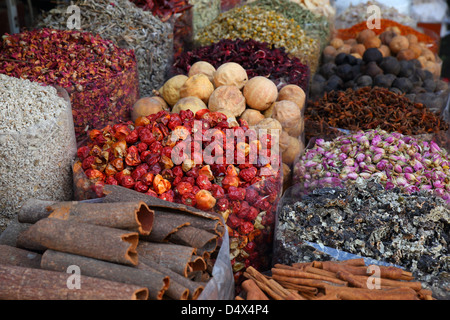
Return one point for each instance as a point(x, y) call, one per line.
point(305, 275)
point(156, 283)
point(19, 257)
point(11, 233)
point(204, 241)
point(347, 293)
point(164, 227)
point(175, 257)
point(83, 239)
point(195, 288)
point(34, 210)
point(175, 290)
point(346, 276)
point(133, 216)
point(121, 194)
point(303, 281)
point(20, 283)
point(415, 285)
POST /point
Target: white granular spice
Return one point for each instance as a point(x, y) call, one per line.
point(37, 145)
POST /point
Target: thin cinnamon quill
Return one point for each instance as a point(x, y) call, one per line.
point(253, 291)
point(83, 239)
point(20, 283)
point(305, 275)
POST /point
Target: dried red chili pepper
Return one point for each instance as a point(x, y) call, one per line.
point(132, 158)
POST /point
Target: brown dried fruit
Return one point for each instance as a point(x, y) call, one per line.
point(202, 67)
point(146, 106)
point(260, 92)
point(197, 86)
point(252, 116)
point(171, 89)
point(293, 93)
point(230, 74)
point(227, 98)
point(398, 43)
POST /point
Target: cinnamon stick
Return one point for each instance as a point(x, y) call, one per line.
point(173, 256)
point(351, 280)
point(204, 241)
point(156, 283)
point(175, 290)
point(195, 288)
point(322, 272)
point(20, 283)
point(83, 239)
point(347, 293)
point(19, 257)
point(34, 210)
point(306, 275)
point(303, 281)
point(300, 288)
point(253, 291)
point(133, 216)
point(415, 285)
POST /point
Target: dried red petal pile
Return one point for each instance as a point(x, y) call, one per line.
point(258, 58)
point(100, 78)
point(139, 156)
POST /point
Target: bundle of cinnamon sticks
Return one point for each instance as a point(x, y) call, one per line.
point(124, 248)
point(332, 280)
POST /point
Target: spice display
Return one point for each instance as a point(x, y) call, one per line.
point(100, 78)
point(333, 280)
point(257, 58)
point(397, 160)
point(356, 13)
point(371, 108)
point(34, 284)
point(315, 25)
point(140, 157)
point(38, 144)
point(401, 77)
point(133, 229)
point(128, 27)
point(364, 219)
point(350, 33)
point(251, 22)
